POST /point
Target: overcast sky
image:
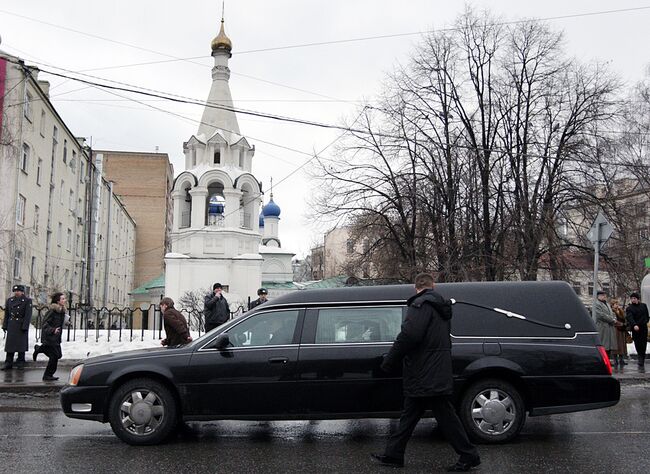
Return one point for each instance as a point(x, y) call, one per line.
point(322, 83)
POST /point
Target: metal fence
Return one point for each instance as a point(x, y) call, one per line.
point(119, 324)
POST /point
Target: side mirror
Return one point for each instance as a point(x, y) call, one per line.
point(222, 341)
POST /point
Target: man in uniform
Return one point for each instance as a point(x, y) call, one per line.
point(262, 293)
point(18, 316)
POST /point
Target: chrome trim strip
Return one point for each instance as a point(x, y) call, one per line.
point(254, 348)
point(551, 338)
point(139, 359)
point(81, 407)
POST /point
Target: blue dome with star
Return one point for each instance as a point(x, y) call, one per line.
point(271, 209)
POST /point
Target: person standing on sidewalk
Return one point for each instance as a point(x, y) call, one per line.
point(215, 308)
point(637, 321)
point(176, 328)
point(51, 336)
point(605, 320)
point(423, 348)
point(621, 333)
point(18, 316)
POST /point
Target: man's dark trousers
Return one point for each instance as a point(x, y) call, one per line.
point(448, 422)
point(640, 338)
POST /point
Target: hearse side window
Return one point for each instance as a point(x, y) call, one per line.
point(275, 328)
point(358, 325)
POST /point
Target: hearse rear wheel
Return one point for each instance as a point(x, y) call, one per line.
point(142, 412)
point(492, 411)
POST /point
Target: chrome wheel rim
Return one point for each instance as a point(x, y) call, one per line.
point(493, 411)
point(141, 412)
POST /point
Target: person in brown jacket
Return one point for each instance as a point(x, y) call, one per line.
point(175, 324)
point(621, 333)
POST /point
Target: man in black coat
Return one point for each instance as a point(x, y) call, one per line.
point(636, 316)
point(423, 347)
point(215, 308)
point(18, 316)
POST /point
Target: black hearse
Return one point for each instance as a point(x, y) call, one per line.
point(315, 354)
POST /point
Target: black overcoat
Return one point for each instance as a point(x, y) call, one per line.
point(423, 346)
point(54, 319)
point(18, 316)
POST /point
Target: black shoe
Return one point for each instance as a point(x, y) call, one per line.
point(464, 466)
point(49, 378)
point(7, 367)
point(20, 366)
point(387, 460)
point(37, 351)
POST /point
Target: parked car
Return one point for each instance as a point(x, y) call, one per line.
point(315, 354)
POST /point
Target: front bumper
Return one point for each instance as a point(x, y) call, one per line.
point(85, 403)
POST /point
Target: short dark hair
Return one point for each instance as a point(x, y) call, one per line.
point(424, 280)
point(56, 297)
point(167, 301)
point(216, 285)
point(635, 295)
point(601, 292)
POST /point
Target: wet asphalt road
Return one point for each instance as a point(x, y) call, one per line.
point(36, 437)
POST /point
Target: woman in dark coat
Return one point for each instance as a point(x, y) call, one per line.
point(175, 324)
point(51, 336)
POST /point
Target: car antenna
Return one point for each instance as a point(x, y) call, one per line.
point(511, 314)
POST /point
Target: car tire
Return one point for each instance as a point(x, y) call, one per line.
point(492, 411)
point(143, 412)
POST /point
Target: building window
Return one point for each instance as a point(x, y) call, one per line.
point(65, 150)
point(217, 157)
point(18, 258)
point(55, 142)
point(77, 245)
point(39, 170)
point(61, 193)
point(24, 160)
point(590, 288)
point(73, 161)
point(71, 200)
point(193, 153)
point(68, 240)
point(27, 109)
point(37, 216)
point(42, 127)
point(241, 158)
point(81, 171)
point(606, 288)
point(32, 270)
point(577, 288)
point(79, 207)
point(59, 234)
point(20, 209)
point(66, 277)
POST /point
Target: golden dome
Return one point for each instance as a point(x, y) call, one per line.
point(221, 41)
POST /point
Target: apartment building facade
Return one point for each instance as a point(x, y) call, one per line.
point(56, 205)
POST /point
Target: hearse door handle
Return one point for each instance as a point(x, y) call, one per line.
point(278, 360)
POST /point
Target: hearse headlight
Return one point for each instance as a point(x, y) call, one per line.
point(75, 374)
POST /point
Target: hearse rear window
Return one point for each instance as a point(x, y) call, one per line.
point(343, 325)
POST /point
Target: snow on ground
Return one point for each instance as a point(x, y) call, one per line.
point(92, 343)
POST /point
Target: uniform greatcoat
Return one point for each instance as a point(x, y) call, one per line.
point(18, 316)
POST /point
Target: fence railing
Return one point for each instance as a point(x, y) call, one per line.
point(119, 324)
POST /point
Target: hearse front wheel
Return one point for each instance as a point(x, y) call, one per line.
point(492, 411)
point(142, 412)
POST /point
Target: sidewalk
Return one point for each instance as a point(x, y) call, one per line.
point(30, 380)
